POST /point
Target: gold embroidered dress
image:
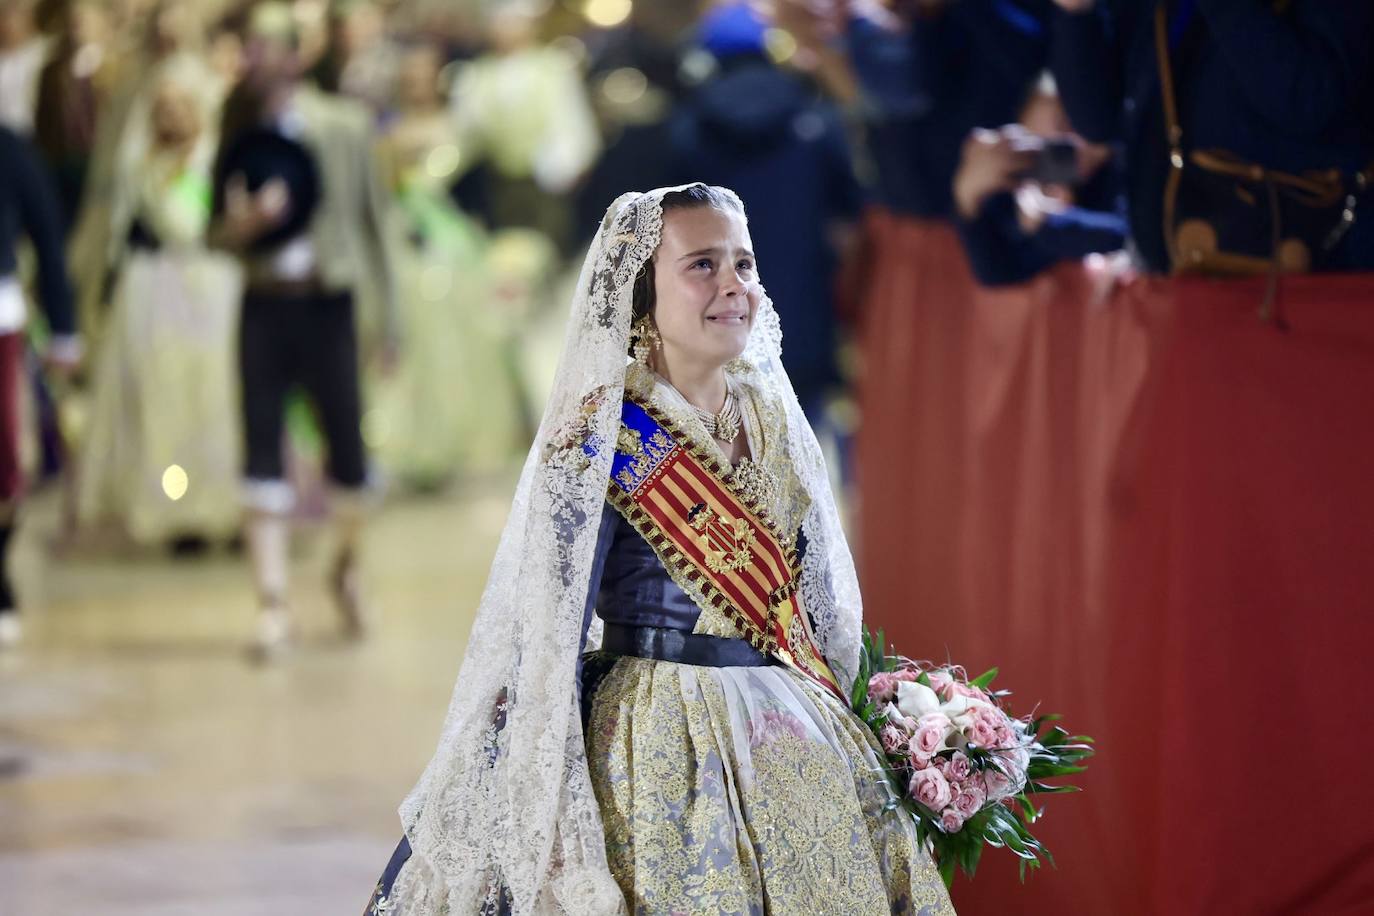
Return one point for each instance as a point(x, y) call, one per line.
point(650, 717)
point(736, 789)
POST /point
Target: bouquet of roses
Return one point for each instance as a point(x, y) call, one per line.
point(963, 767)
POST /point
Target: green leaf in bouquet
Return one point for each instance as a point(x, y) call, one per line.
point(947, 867)
point(1055, 737)
point(1047, 770)
point(875, 652)
point(971, 857)
point(1059, 740)
point(1029, 813)
point(859, 695)
point(985, 679)
point(1005, 830)
point(923, 832)
point(1040, 788)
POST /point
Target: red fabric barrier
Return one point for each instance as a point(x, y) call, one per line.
point(1156, 514)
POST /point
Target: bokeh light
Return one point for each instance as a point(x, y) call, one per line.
point(443, 161)
point(175, 482)
point(607, 13)
point(780, 44)
point(624, 86)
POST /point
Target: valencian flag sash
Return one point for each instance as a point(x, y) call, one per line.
point(684, 503)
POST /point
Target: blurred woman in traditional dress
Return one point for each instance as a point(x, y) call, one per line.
point(451, 405)
point(172, 38)
point(161, 455)
point(524, 110)
point(675, 514)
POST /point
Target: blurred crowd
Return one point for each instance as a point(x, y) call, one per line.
point(285, 250)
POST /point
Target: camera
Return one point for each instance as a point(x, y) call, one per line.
point(1056, 162)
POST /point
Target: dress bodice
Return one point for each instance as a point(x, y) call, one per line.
point(636, 589)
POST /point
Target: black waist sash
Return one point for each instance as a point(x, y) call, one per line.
point(668, 645)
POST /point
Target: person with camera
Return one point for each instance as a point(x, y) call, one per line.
point(1032, 194)
point(1248, 126)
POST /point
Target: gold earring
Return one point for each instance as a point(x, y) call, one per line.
point(646, 339)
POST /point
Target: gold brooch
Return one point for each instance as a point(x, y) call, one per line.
point(755, 483)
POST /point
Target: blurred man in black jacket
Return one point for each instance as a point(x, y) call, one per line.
point(28, 207)
point(1287, 85)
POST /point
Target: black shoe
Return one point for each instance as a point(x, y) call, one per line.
point(188, 546)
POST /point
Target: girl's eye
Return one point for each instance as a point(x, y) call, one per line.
point(703, 262)
point(746, 264)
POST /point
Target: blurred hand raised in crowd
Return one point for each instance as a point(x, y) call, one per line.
point(248, 214)
point(1035, 204)
point(993, 161)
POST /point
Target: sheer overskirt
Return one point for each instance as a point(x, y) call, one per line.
point(748, 791)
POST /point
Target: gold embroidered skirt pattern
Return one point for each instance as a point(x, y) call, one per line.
point(748, 791)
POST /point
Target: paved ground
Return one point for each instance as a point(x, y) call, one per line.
point(146, 767)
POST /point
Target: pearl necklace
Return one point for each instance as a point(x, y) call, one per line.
point(725, 425)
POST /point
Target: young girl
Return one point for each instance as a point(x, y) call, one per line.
point(675, 514)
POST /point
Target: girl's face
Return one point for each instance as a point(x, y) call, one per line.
point(705, 286)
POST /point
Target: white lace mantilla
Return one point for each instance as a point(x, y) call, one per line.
point(505, 808)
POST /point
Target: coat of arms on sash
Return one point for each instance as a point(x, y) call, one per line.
point(728, 543)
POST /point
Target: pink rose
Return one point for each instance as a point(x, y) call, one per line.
point(951, 821)
point(997, 785)
point(894, 738)
point(942, 683)
point(906, 674)
point(973, 693)
point(1014, 761)
point(969, 798)
point(981, 725)
point(981, 734)
point(920, 759)
point(930, 789)
point(930, 734)
point(882, 687)
point(1005, 738)
point(959, 767)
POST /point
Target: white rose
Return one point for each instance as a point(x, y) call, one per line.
point(916, 700)
point(961, 705)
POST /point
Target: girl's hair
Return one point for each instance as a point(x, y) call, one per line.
point(692, 197)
